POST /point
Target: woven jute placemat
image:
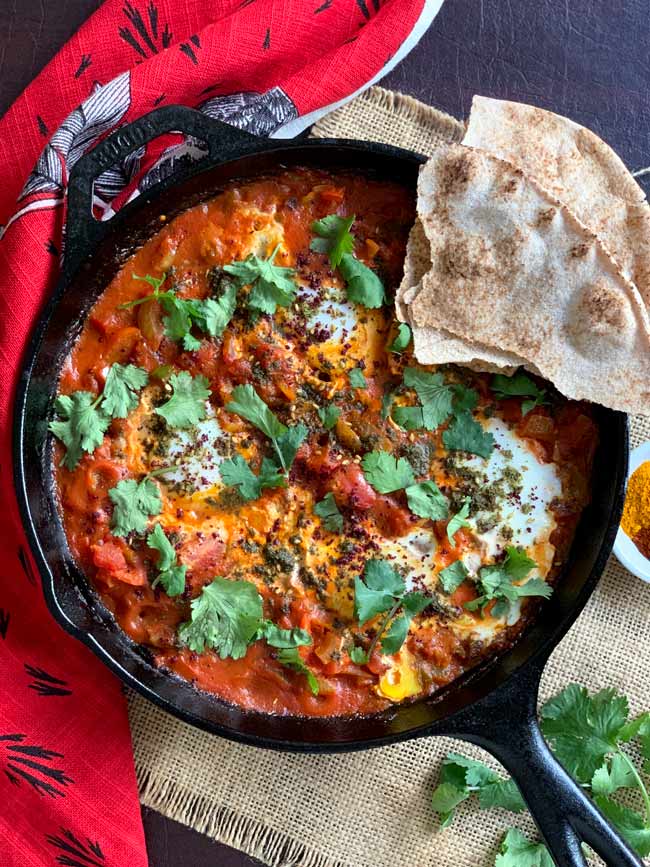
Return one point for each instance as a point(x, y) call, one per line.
point(371, 809)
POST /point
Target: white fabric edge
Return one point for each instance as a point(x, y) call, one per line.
point(428, 13)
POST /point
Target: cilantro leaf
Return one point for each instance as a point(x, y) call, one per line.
point(335, 238)
point(328, 512)
point(249, 405)
point(518, 385)
point(614, 774)
point(628, 822)
point(408, 417)
point(453, 576)
point(386, 404)
point(518, 851)
point(225, 617)
point(186, 406)
point(412, 604)
point(288, 443)
point(80, 426)
point(237, 473)
point(465, 399)
point(363, 286)
point(357, 379)
point(466, 434)
point(213, 315)
point(583, 729)
point(458, 520)
point(376, 591)
point(497, 582)
point(276, 636)
point(290, 658)
point(446, 797)
point(426, 500)
point(120, 394)
point(271, 286)
point(170, 574)
point(402, 339)
point(387, 473)
point(358, 655)
point(329, 415)
point(433, 393)
point(134, 503)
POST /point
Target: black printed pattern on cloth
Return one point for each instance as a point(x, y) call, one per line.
point(33, 765)
point(74, 853)
point(145, 35)
point(46, 684)
point(4, 623)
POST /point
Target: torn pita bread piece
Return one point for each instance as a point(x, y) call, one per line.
point(437, 346)
point(514, 269)
point(577, 167)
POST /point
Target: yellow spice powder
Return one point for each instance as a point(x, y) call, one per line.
point(636, 514)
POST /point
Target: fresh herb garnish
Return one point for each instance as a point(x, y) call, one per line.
point(382, 589)
point(335, 237)
point(357, 379)
point(186, 406)
point(120, 395)
point(518, 385)
point(386, 473)
point(453, 576)
point(329, 415)
point(426, 500)
point(271, 286)
point(170, 574)
point(276, 636)
point(358, 655)
point(458, 520)
point(328, 512)
point(435, 395)
point(587, 734)
point(497, 583)
point(467, 435)
point(80, 426)
point(237, 473)
point(290, 658)
point(363, 286)
point(286, 441)
point(83, 417)
point(402, 339)
point(226, 616)
point(133, 504)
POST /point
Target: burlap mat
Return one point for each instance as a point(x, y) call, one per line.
point(372, 809)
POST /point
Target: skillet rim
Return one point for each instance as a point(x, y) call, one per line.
point(529, 667)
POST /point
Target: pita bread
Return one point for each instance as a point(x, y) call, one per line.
point(437, 346)
point(513, 268)
point(578, 168)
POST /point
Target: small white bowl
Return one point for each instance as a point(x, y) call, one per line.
point(624, 548)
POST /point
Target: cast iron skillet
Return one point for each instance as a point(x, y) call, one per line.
point(495, 706)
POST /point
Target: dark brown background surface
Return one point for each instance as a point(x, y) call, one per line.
point(588, 59)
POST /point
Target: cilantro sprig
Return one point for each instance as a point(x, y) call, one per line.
point(329, 415)
point(589, 734)
point(363, 286)
point(186, 406)
point(386, 474)
point(133, 504)
point(402, 339)
point(83, 417)
point(458, 520)
point(498, 583)
point(170, 574)
point(518, 385)
point(329, 513)
point(225, 617)
point(271, 286)
point(237, 473)
point(382, 590)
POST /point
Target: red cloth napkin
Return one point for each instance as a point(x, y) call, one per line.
point(67, 779)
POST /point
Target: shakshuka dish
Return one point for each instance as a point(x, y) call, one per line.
point(267, 490)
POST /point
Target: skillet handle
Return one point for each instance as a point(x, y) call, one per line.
point(505, 724)
point(83, 231)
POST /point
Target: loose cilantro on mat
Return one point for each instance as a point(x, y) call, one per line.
point(186, 406)
point(363, 286)
point(271, 286)
point(329, 415)
point(382, 590)
point(328, 512)
point(518, 385)
point(588, 733)
point(458, 520)
point(497, 583)
point(290, 658)
point(170, 574)
point(133, 504)
point(402, 339)
point(225, 617)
